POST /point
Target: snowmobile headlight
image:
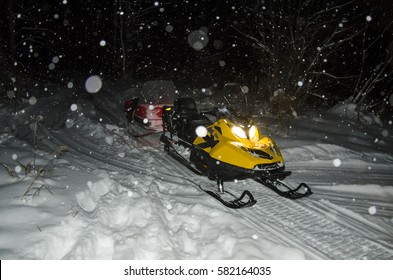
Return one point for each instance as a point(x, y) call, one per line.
point(252, 132)
point(239, 132)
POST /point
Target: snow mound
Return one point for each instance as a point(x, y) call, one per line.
point(348, 111)
point(88, 199)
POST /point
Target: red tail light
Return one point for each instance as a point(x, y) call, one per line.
point(127, 105)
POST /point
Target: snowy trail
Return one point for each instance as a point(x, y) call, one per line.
point(322, 175)
point(299, 223)
point(166, 216)
point(317, 230)
point(356, 201)
point(285, 220)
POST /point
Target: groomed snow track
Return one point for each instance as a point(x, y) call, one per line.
point(321, 233)
point(316, 225)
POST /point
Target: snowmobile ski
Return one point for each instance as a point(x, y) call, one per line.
point(170, 149)
point(142, 133)
point(234, 202)
point(303, 190)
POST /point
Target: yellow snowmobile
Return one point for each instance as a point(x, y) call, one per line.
point(225, 147)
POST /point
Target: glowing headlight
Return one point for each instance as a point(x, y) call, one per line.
point(239, 132)
point(252, 132)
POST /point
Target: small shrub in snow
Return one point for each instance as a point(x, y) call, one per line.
point(10, 172)
point(31, 169)
point(33, 190)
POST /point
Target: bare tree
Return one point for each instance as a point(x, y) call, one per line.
point(380, 71)
point(308, 48)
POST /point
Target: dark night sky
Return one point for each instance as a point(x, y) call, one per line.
point(155, 35)
point(87, 36)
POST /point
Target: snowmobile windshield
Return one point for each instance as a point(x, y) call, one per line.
point(235, 117)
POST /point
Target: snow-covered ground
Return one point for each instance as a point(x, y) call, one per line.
point(99, 193)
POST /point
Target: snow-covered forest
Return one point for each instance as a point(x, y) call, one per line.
point(315, 76)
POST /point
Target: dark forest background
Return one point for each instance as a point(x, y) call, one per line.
point(297, 53)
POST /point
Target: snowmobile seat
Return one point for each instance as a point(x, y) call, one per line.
point(190, 119)
point(199, 119)
point(185, 107)
point(192, 123)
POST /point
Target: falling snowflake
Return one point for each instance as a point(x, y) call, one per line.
point(102, 43)
point(201, 131)
point(69, 123)
point(372, 210)
point(337, 162)
point(32, 100)
point(109, 140)
point(74, 107)
point(93, 84)
point(10, 94)
point(245, 89)
point(14, 156)
point(121, 154)
point(18, 169)
point(369, 18)
point(300, 83)
point(198, 39)
point(33, 126)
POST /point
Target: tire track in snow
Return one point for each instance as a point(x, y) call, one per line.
point(358, 202)
point(90, 152)
point(308, 225)
point(344, 175)
point(316, 230)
